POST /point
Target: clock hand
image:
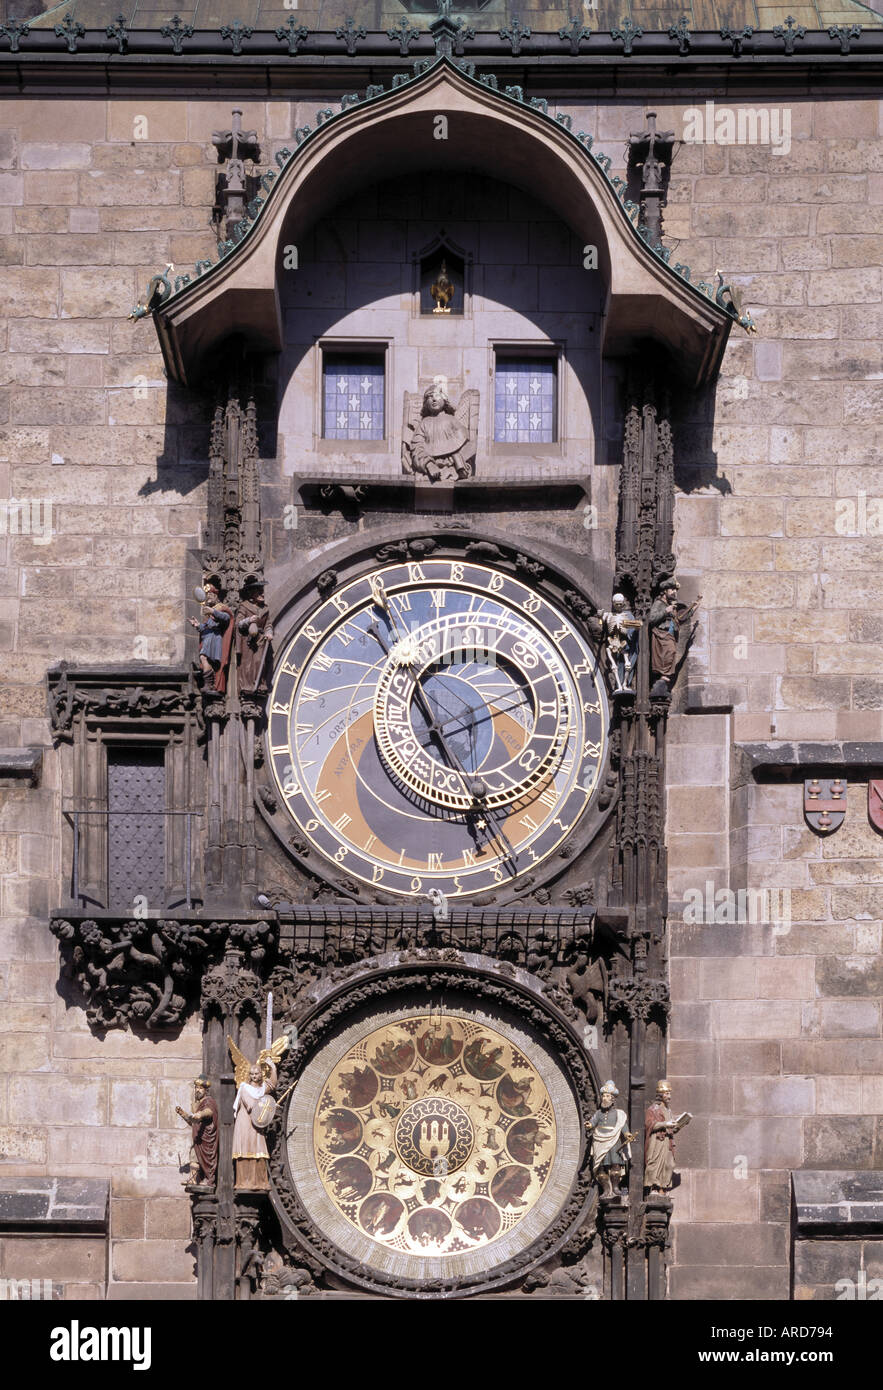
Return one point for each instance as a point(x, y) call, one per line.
point(490, 711)
point(425, 708)
point(477, 788)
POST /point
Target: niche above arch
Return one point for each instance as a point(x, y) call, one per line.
point(443, 260)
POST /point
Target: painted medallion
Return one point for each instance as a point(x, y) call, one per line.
point(434, 1137)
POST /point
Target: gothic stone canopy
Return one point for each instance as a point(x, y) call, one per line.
point(487, 129)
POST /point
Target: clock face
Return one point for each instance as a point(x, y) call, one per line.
point(432, 1144)
point(437, 725)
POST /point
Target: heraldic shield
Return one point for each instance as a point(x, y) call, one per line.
point(875, 803)
point(824, 803)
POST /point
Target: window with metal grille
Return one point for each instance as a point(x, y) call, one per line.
point(525, 399)
point(353, 390)
point(136, 828)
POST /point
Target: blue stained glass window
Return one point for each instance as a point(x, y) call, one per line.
point(352, 396)
point(525, 400)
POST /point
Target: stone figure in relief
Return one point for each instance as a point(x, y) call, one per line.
point(665, 620)
point(660, 1128)
point(215, 628)
point(254, 633)
point(611, 1141)
point(440, 443)
point(203, 1120)
point(254, 1080)
point(621, 643)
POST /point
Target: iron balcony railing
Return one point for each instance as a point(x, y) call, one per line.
point(76, 815)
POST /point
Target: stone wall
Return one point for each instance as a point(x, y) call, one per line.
point(776, 1030)
point(776, 1036)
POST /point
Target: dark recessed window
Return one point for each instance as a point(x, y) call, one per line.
point(353, 395)
point(136, 831)
point(525, 399)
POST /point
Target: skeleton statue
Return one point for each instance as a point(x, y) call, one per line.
point(621, 643)
point(440, 442)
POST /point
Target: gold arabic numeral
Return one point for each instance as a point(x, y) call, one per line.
point(290, 785)
point(468, 858)
point(416, 884)
point(343, 821)
point(401, 856)
point(312, 824)
point(583, 669)
point(458, 885)
point(376, 874)
point(433, 861)
point(591, 750)
point(457, 572)
point(532, 853)
point(559, 822)
point(532, 604)
point(277, 708)
point(415, 574)
point(498, 874)
point(312, 632)
point(340, 603)
point(560, 634)
point(291, 670)
point(591, 708)
point(495, 583)
point(438, 597)
point(341, 854)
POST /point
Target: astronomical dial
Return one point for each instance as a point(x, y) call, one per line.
point(437, 725)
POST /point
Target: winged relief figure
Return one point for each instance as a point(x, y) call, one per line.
point(439, 440)
point(253, 1080)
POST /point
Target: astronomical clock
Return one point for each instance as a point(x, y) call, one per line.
point(437, 751)
point(436, 724)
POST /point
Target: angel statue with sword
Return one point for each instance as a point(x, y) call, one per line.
point(254, 1081)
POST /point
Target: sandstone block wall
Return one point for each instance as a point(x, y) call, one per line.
point(776, 1028)
point(776, 1037)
